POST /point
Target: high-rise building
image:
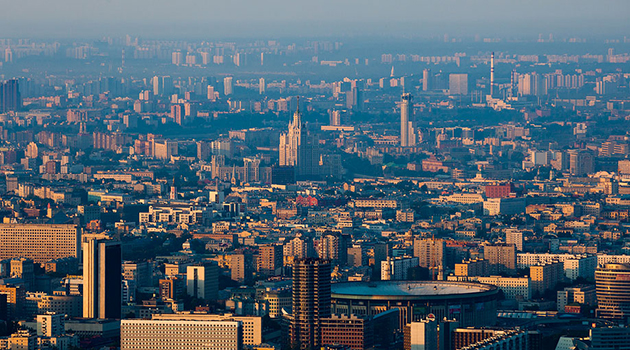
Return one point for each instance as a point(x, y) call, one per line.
point(40, 243)
point(270, 259)
point(261, 86)
point(311, 302)
point(501, 257)
point(227, 86)
point(458, 84)
point(10, 97)
point(299, 148)
point(514, 236)
point(612, 283)
point(426, 80)
point(202, 281)
point(431, 255)
point(102, 279)
point(421, 335)
point(333, 247)
point(407, 125)
point(242, 267)
point(397, 269)
point(581, 163)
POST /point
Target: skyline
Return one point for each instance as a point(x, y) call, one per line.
point(246, 18)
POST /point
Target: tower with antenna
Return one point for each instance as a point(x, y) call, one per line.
point(492, 74)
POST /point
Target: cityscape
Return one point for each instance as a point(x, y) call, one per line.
point(445, 189)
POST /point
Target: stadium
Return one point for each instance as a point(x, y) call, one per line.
point(472, 304)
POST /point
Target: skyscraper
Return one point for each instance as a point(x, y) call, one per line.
point(426, 80)
point(612, 283)
point(202, 281)
point(458, 84)
point(10, 97)
point(227, 86)
point(102, 279)
point(261, 86)
point(407, 130)
point(299, 148)
point(311, 302)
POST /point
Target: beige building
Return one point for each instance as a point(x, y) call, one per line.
point(251, 325)
point(180, 335)
point(40, 243)
point(501, 257)
point(545, 277)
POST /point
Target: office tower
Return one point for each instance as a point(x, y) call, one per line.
point(612, 283)
point(492, 75)
point(335, 118)
point(180, 335)
point(40, 243)
point(102, 272)
point(407, 125)
point(176, 58)
point(242, 267)
point(311, 302)
point(333, 247)
point(10, 97)
point(270, 259)
point(431, 255)
point(227, 86)
point(458, 84)
point(176, 114)
point(501, 257)
point(514, 236)
point(158, 88)
point(299, 148)
point(202, 281)
point(581, 163)
point(261, 86)
point(426, 80)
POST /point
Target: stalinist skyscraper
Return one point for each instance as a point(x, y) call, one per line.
point(407, 127)
point(298, 148)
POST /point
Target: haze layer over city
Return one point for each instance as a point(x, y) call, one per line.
point(335, 175)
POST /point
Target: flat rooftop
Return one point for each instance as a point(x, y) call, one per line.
point(409, 288)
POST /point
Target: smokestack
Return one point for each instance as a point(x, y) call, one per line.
point(492, 75)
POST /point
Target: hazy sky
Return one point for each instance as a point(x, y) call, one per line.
point(300, 17)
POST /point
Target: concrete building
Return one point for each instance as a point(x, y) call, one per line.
point(584, 295)
point(102, 279)
point(612, 282)
point(397, 269)
point(40, 243)
point(311, 302)
point(180, 335)
point(202, 281)
point(501, 257)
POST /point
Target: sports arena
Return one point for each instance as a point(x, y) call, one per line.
point(472, 304)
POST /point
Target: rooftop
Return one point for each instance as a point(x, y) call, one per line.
point(409, 288)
